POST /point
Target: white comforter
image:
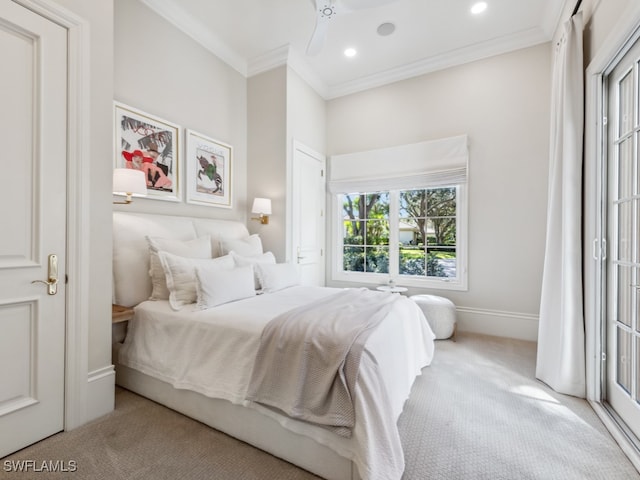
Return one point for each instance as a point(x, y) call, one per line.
point(213, 351)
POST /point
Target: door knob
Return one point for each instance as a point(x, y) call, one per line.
point(52, 282)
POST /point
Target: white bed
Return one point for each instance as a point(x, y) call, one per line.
point(170, 357)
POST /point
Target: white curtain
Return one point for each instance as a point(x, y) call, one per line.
point(561, 351)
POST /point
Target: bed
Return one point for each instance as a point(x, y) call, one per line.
point(202, 362)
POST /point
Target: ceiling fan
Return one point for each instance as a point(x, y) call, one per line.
point(326, 10)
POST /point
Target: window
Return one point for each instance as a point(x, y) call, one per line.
point(401, 213)
point(366, 232)
point(409, 235)
point(427, 232)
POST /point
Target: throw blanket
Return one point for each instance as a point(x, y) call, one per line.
point(308, 360)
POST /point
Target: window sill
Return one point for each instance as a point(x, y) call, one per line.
point(375, 280)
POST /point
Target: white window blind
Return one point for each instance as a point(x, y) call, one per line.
point(426, 164)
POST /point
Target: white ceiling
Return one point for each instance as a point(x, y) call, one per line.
point(256, 35)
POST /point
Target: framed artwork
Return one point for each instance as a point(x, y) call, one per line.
point(150, 144)
point(209, 165)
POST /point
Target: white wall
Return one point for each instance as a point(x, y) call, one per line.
point(267, 104)
point(281, 108)
point(306, 114)
point(502, 104)
point(161, 70)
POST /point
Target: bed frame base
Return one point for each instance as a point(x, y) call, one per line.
point(242, 423)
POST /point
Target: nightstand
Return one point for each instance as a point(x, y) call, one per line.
point(121, 314)
point(119, 317)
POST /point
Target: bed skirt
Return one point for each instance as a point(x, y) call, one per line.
point(243, 423)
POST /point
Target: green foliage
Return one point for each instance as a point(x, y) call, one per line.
point(361, 209)
point(366, 227)
point(411, 265)
point(359, 259)
point(434, 207)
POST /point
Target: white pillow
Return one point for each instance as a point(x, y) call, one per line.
point(241, 261)
point(196, 248)
point(217, 284)
point(274, 277)
point(181, 276)
point(249, 246)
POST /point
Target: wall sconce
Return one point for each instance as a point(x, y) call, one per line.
point(127, 181)
point(261, 206)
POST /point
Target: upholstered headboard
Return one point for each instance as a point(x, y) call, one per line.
point(131, 281)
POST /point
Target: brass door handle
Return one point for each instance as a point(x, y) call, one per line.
point(52, 282)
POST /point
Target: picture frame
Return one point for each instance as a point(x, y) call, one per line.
point(151, 144)
point(209, 170)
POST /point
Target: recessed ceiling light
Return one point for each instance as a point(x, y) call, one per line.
point(478, 7)
point(386, 28)
point(350, 52)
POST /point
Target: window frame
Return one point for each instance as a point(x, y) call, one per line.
point(460, 282)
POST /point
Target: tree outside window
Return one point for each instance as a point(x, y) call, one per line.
point(366, 232)
point(430, 216)
point(426, 235)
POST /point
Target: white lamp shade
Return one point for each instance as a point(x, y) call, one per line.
point(129, 181)
point(261, 205)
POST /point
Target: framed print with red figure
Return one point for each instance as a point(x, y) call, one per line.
point(151, 144)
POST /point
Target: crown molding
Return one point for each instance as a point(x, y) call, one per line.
point(285, 55)
point(496, 46)
point(176, 15)
point(268, 61)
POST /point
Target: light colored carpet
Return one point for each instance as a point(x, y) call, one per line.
point(476, 413)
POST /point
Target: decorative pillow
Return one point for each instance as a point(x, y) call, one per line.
point(274, 277)
point(217, 284)
point(181, 276)
point(241, 260)
point(249, 246)
point(196, 248)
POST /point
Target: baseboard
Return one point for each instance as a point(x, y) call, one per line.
point(522, 326)
point(101, 392)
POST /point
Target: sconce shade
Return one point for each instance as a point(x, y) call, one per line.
point(129, 181)
point(261, 206)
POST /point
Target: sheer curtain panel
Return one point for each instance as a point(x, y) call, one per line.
point(561, 351)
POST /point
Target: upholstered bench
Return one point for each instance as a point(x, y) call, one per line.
point(440, 313)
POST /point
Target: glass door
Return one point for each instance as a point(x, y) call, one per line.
point(622, 382)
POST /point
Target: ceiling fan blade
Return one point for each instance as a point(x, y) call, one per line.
point(317, 39)
point(325, 11)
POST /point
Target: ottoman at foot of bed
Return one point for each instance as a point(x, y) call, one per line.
point(440, 313)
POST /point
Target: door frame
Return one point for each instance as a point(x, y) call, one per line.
point(77, 210)
point(624, 34)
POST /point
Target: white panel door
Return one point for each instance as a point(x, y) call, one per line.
point(308, 206)
point(623, 262)
point(33, 120)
